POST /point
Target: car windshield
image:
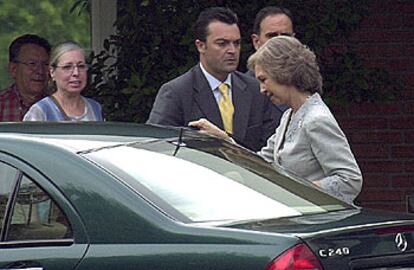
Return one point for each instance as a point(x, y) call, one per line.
point(202, 181)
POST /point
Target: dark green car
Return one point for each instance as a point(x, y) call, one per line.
point(126, 196)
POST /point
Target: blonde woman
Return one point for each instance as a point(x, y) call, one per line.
point(308, 142)
point(69, 75)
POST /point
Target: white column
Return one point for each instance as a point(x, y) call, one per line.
point(103, 16)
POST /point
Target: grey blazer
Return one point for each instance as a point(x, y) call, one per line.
point(189, 97)
point(311, 144)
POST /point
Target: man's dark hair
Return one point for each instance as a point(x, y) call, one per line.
point(268, 11)
point(16, 45)
point(212, 14)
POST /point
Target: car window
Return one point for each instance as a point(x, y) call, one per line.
point(213, 184)
point(8, 177)
point(36, 216)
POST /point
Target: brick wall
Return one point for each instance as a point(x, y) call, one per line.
point(382, 134)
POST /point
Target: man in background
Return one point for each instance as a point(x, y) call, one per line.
point(214, 90)
point(28, 66)
point(270, 22)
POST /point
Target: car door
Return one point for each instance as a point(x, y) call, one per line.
point(38, 228)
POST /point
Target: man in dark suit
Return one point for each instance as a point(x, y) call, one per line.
point(271, 21)
point(196, 93)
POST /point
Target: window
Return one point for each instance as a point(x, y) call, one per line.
point(8, 177)
point(198, 178)
point(34, 215)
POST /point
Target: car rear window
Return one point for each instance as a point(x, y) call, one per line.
point(212, 181)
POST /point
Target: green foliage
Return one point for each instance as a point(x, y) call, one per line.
point(51, 19)
point(154, 43)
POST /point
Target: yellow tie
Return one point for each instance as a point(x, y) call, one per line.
point(226, 108)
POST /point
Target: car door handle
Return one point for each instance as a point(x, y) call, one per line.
point(25, 268)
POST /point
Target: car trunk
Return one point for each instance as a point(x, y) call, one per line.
point(353, 239)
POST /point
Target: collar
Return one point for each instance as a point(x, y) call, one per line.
point(313, 99)
point(212, 81)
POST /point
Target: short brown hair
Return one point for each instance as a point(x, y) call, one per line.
point(288, 62)
point(213, 14)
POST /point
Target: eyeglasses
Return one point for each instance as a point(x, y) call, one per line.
point(33, 65)
point(69, 68)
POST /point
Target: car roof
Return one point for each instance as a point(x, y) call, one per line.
point(82, 136)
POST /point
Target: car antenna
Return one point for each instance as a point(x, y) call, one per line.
point(179, 143)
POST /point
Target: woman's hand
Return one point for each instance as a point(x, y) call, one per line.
point(207, 127)
point(317, 183)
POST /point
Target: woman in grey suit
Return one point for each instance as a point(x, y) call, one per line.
point(308, 142)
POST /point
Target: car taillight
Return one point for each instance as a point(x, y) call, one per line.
point(299, 257)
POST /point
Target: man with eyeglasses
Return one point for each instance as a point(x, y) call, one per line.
point(270, 22)
point(28, 66)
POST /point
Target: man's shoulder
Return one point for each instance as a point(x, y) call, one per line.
point(250, 73)
point(188, 75)
point(247, 82)
point(184, 79)
point(9, 105)
point(246, 78)
point(7, 93)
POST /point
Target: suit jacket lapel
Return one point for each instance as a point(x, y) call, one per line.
point(204, 98)
point(242, 103)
